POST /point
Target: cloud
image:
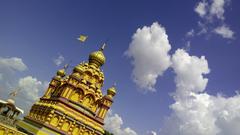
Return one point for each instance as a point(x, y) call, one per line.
point(190, 33)
point(30, 87)
point(211, 9)
point(187, 46)
point(151, 133)
point(30, 90)
point(8, 68)
point(201, 8)
point(190, 111)
point(217, 8)
point(189, 70)
point(149, 52)
point(212, 18)
point(13, 64)
point(224, 31)
point(59, 60)
point(203, 28)
point(113, 124)
point(227, 115)
point(195, 111)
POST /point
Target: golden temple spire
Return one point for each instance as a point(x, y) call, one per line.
point(97, 58)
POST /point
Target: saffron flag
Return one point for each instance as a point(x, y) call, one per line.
point(82, 38)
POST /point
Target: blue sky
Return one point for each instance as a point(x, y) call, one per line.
point(38, 32)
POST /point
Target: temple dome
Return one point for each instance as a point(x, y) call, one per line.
point(97, 58)
point(11, 101)
point(111, 91)
point(61, 72)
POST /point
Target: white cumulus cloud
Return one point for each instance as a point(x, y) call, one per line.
point(190, 111)
point(30, 87)
point(113, 124)
point(149, 52)
point(13, 63)
point(194, 111)
point(30, 90)
point(8, 68)
point(224, 31)
point(189, 70)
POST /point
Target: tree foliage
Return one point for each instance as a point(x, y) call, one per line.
point(108, 133)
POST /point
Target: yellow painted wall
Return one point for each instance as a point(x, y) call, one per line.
point(7, 130)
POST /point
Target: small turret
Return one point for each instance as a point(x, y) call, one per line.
point(61, 73)
point(111, 92)
point(56, 81)
point(106, 102)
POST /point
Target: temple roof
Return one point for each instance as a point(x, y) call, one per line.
point(11, 103)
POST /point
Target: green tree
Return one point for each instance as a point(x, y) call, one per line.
point(108, 133)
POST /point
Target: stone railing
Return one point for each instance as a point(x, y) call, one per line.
point(7, 121)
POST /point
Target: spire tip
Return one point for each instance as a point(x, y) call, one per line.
point(103, 46)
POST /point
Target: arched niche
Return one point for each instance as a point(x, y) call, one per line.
point(87, 75)
point(58, 90)
point(96, 79)
point(77, 95)
point(88, 100)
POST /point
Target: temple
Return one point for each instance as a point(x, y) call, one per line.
point(9, 113)
point(72, 104)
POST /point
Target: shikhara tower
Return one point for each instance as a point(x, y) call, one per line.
point(72, 104)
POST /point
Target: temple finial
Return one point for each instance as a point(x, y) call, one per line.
point(103, 46)
point(65, 66)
